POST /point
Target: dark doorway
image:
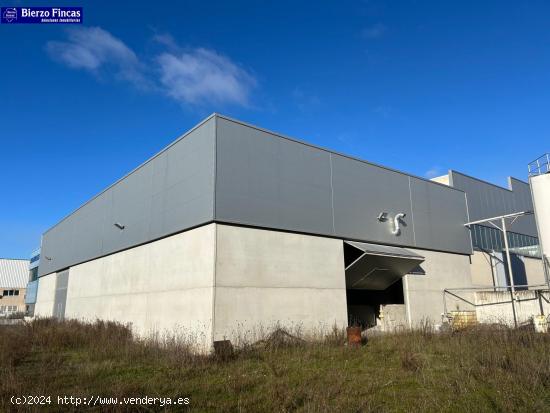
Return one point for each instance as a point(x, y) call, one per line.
point(364, 305)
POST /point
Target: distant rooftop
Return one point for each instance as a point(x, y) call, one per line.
point(14, 273)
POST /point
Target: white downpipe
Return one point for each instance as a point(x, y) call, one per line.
point(396, 221)
point(407, 299)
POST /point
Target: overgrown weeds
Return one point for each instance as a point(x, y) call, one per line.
point(488, 368)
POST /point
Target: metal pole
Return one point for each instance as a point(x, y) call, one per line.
point(510, 273)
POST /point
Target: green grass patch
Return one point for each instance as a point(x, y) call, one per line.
point(481, 369)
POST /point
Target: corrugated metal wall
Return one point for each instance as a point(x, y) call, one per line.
point(13, 273)
point(486, 200)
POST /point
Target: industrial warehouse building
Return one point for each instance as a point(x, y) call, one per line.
point(14, 274)
point(232, 228)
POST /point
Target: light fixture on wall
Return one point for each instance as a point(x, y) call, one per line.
point(119, 225)
point(383, 216)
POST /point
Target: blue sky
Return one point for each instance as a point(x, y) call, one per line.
point(415, 85)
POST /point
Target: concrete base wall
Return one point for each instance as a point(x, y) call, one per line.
point(534, 271)
point(424, 293)
point(496, 307)
point(226, 282)
point(482, 275)
point(45, 296)
point(268, 278)
point(211, 283)
point(164, 287)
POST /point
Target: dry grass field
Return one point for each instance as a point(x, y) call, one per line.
point(475, 370)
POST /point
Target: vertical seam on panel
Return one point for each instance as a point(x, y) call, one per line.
point(468, 218)
point(332, 194)
point(149, 229)
point(215, 166)
point(412, 212)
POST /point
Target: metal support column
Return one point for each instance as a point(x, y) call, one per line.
point(510, 272)
point(502, 219)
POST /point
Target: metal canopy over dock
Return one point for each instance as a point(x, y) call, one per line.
point(379, 266)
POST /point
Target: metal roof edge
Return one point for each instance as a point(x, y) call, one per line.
point(214, 115)
point(201, 123)
point(509, 178)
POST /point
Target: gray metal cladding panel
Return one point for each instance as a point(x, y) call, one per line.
point(87, 235)
point(439, 217)
point(57, 242)
point(524, 202)
point(170, 193)
point(264, 180)
point(361, 192)
point(131, 207)
point(486, 200)
point(269, 181)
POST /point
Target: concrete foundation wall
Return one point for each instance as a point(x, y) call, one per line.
point(229, 282)
point(496, 307)
point(45, 296)
point(424, 293)
point(264, 278)
point(482, 276)
point(250, 279)
point(161, 287)
point(534, 270)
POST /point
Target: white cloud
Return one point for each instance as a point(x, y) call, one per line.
point(192, 76)
point(202, 76)
point(375, 31)
point(433, 172)
point(92, 48)
point(166, 40)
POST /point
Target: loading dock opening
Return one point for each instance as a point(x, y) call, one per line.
point(374, 277)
